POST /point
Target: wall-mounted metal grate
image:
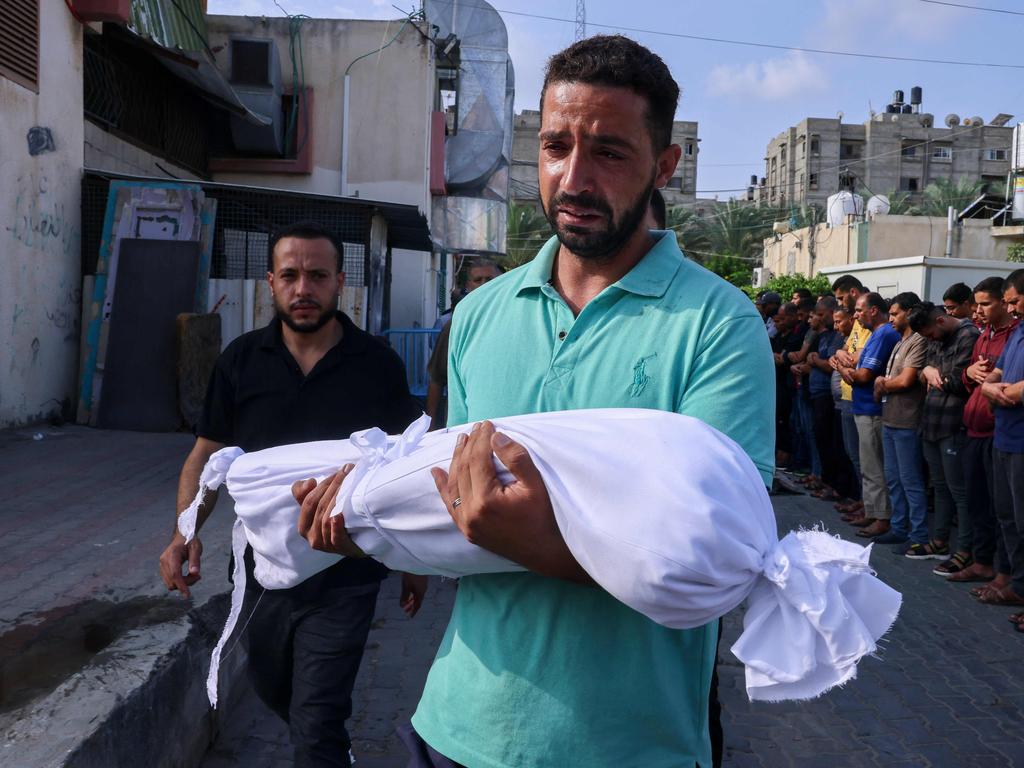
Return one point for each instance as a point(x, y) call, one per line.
point(246, 217)
point(19, 42)
point(129, 93)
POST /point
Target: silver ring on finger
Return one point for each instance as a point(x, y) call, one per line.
point(456, 502)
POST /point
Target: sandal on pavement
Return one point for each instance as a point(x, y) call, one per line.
point(862, 522)
point(969, 575)
point(1004, 596)
point(957, 563)
point(930, 551)
point(877, 528)
point(1016, 618)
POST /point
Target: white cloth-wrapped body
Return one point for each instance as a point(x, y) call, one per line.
point(664, 512)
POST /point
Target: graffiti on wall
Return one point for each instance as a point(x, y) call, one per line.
point(66, 315)
point(39, 219)
point(40, 140)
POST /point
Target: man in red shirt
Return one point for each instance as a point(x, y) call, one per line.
point(989, 555)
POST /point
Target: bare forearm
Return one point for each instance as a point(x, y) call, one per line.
point(433, 401)
point(188, 481)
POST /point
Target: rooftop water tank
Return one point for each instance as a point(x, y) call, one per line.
point(878, 205)
point(843, 204)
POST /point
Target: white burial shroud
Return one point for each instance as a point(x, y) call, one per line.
point(664, 512)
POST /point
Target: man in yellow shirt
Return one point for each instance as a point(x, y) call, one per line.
point(847, 289)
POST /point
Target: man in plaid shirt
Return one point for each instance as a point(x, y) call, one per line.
point(942, 427)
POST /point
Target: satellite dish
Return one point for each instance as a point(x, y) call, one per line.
point(976, 121)
point(839, 116)
point(927, 121)
point(952, 120)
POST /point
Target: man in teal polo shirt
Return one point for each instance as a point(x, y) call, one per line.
point(538, 669)
point(543, 669)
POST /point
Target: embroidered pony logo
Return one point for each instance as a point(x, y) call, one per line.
point(640, 377)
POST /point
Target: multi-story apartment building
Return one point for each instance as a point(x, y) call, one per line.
point(680, 190)
point(898, 150)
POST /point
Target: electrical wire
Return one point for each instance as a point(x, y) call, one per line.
point(725, 41)
point(974, 7)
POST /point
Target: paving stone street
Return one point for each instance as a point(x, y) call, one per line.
point(947, 689)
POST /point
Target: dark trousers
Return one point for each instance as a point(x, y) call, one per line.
point(1008, 476)
point(304, 646)
point(945, 467)
point(988, 538)
point(836, 469)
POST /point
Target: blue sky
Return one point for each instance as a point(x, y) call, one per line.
point(743, 96)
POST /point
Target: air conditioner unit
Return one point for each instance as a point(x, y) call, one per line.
point(256, 78)
point(761, 276)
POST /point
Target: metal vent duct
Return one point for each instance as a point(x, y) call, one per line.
point(478, 155)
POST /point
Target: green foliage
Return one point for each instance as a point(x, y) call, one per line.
point(942, 193)
point(730, 240)
point(1015, 253)
point(527, 231)
point(784, 285)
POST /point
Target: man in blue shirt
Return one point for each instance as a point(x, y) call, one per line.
point(872, 312)
point(1003, 390)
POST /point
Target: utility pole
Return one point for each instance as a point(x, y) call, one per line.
point(581, 19)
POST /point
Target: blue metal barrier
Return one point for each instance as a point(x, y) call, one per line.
point(414, 346)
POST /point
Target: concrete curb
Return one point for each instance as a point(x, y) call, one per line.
point(141, 702)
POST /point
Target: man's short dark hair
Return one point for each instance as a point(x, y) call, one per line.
point(482, 262)
point(803, 293)
point(958, 292)
point(907, 300)
point(658, 208)
point(304, 230)
point(827, 303)
point(847, 282)
point(840, 307)
point(993, 286)
point(789, 308)
point(923, 315)
point(806, 304)
point(617, 61)
point(1016, 279)
point(875, 300)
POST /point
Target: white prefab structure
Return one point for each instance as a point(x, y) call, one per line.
point(927, 276)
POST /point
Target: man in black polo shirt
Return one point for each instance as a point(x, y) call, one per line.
point(309, 375)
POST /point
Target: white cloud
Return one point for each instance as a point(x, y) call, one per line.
point(784, 77)
point(857, 26)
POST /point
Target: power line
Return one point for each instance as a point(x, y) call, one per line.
point(724, 41)
point(974, 7)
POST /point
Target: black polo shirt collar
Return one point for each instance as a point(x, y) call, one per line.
point(353, 339)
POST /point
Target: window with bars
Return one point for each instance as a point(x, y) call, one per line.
point(19, 42)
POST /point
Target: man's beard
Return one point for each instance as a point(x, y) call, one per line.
point(307, 326)
point(598, 245)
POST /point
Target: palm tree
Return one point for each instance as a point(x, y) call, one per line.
point(943, 193)
point(527, 231)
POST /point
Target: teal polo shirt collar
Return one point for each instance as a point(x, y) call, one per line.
point(650, 277)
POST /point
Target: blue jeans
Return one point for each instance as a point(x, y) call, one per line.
point(904, 476)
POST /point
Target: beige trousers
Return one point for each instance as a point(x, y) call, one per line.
point(872, 467)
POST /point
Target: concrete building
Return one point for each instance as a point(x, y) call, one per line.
point(811, 250)
point(680, 190)
point(41, 164)
point(899, 150)
point(153, 90)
